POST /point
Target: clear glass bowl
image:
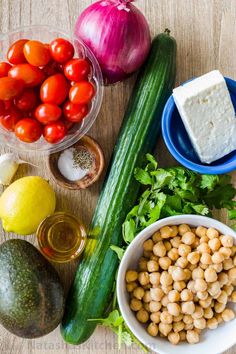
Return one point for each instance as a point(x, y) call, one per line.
point(47, 34)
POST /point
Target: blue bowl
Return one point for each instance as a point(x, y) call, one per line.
point(178, 143)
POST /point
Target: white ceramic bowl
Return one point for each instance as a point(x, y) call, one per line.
point(211, 341)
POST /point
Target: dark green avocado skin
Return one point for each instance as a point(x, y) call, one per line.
point(31, 294)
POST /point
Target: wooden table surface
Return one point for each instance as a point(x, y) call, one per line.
point(205, 31)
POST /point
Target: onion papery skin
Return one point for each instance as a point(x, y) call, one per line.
point(118, 34)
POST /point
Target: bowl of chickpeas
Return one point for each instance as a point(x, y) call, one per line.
point(176, 286)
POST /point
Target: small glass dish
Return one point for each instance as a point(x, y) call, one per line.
point(61, 237)
point(46, 34)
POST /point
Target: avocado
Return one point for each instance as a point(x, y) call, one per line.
point(31, 294)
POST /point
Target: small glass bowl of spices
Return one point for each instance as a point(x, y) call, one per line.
point(61, 237)
point(79, 166)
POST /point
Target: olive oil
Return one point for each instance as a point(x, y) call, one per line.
point(61, 237)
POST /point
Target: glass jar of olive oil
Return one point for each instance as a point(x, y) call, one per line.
point(61, 237)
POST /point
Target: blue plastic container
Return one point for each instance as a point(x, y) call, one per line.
point(178, 143)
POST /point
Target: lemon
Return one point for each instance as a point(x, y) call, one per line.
point(25, 203)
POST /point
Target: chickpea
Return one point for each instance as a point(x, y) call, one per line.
point(184, 250)
point(233, 250)
point(199, 323)
point(204, 248)
point(156, 237)
point(214, 244)
point(182, 336)
point(165, 231)
point(226, 252)
point(143, 278)
point(138, 293)
point(147, 254)
point(152, 266)
point(188, 238)
point(181, 262)
point(191, 267)
point(178, 274)
point(174, 231)
point(233, 282)
point(166, 279)
point(217, 257)
point(154, 306)
point(178, 326)
point(210, 275)
point(187, 319)
point(204, 239)
point(214, 288)
point(196, 243)
point(131, 286)
point(212, 323)
point(192, 337)
point(198, 313)
point(155, 317)
point(189, 327)
point(146, 306)
point(152, 329)
point(165, 301)
point(200, 285)
point(176, 241)
point(206, 258)
point(223, 278)
point(166, 317)
point(193, 257)
point(142, 264)
point(212, 233)
point(219, 307)
point(156, 294)
point(135, 304)
point(155, 278)
point(174, 296)
point(191, 286)
point(202, 295)
point(131, 276)
point(198, 273)
point(232, 274)
point(186, 295)
point(233, 296)
point(188, 307)
point(167, 289)
point(219, 318)
point(223, 298)
point(142, 316)
point(228, 289)
point(188, 274)
point(171, 269)
point(173, 254)
point(234, 260)
point(208, 313)
point(167, 245)
point(203, 266)
point(218, 267)
point(201, 231)
point(159, 249)
point(179, 285)
point(228, 315)
point(164, 263)
point(173, 308)
point(165, 328)
point(148, 245)
point(178, 318)
point(173, 338)
point(205, 303)
point(227, 241)
point(183, 228)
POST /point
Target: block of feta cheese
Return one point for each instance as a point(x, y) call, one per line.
point(207, 112)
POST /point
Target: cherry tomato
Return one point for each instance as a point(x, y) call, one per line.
point(54, 132)
point(77, 69)
point(47, 113)
point(54, 89)
point(27, 100)
point(52, 68)
point(30, 75)
point(61, 50)
point(28, 130)
point(36, 53)
point(82, 92)
point(15, 54)
point(75, 112)
point(10, 118)
point(4, 68)
point(68, 124)
point(10, 88)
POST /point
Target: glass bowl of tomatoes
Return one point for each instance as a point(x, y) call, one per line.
point(51, 89)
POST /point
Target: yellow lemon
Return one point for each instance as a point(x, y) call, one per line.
point(25, 203)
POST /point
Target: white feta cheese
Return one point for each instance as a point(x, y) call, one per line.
point(208, 115)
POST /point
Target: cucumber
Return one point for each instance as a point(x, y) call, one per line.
point(91, 291)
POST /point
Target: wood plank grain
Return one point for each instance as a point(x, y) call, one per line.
point(205, 31)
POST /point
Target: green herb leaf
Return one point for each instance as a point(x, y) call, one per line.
point(119, 251)
point(232, 214)
point(143, 176)
point(129, 230)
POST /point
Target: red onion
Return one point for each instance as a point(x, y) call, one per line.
point(118, 34)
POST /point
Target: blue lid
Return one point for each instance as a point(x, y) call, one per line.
point(178, 143)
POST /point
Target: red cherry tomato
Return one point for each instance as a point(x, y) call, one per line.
point(30, 75)
point(61, 50)
point(10, 118)
point(2, 108)
point(47, 113)
point(68, 124)
point(75, 112)
point(37, 53)
point(52, 68)
point(28, 130)
point(77, 69)
point(54, 89)
point(54, 132)
point(82, 92)
point(4, 68)
point(10, 88)
point(15, 54)
point(27, 100)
